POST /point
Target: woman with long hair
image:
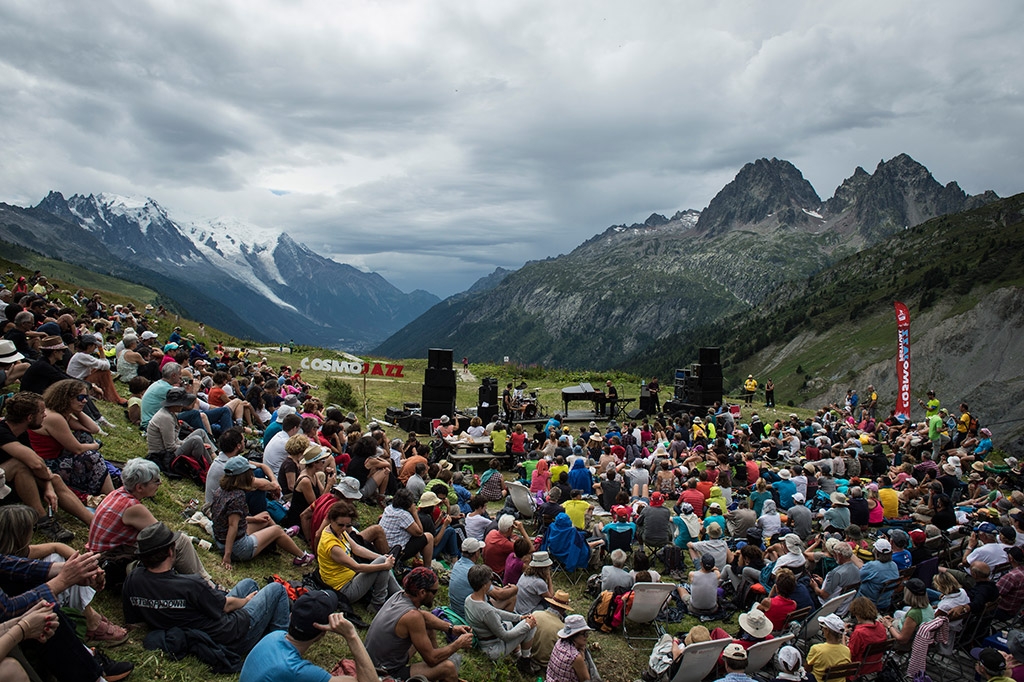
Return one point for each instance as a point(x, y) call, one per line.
point(65, 439)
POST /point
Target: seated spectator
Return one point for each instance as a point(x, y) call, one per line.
point(372, 471)
point(621, 523)
point(770, 522)
point(540, 480)
point(129, 359)
point(492, 483)
point(478, 521)
point(88, 366)
point(789, 663)
point(318, 475)
point(917, 611)
point(642, 562)
point(403, 529)
point(16, 526)
point(402, 626)
point(155, 594)
point(27, 473)
point(867, 630)
point(580, 477)
point(875, 574)
point(569, 660)
point(231, 520)
point(654, 524)
point(515, 563)
point(500, 633)
point(503, 598)
point(121, 516)
point(136, 387)
point(568, 545)
point(163, 443)
point(702, 596)
point(498, 544)
point(779, 603)
point(579, 510)
point(830, 653)
point(339, 565)
point(65, 440)
point(549, 621)
point(846, 573)
point(231, 444)
point(714, 545)
point(754, 627)
point(535, 583)
point(615, 575)
point(279, 655)
point(734, 657)
point(438, 523)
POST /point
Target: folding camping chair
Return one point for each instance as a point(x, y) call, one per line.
point(811, 628)
point(699, 660)
point(522, 499)
point(761, 654)
point(648, 600)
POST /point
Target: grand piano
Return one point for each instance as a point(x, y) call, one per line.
point(582, 391)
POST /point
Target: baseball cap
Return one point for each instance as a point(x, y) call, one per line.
point(309, 610)
point(1017, 553)
point(987, 527)
point(990, 658)
point(735, 652)
point(471, 545)
point(883, 545)
point(832, 622)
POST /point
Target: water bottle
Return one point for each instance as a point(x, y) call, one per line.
point(203, 544)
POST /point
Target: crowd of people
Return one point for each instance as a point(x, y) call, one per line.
point(767, 519)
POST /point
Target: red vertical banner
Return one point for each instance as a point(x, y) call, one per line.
point(902, 361)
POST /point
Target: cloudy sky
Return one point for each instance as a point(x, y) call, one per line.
point(433, 141)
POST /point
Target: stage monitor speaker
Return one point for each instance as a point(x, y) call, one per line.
point(672, 407)
point(710, 356)
point(439, 377)
point(405, 422)
point(438, 393)
point(636, 414)
point(439, 358)
point(432, 409)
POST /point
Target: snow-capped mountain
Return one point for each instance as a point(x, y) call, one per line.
point(249, 280)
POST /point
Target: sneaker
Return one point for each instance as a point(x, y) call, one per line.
point(525, 666)
point(113, 671)
point(51, 528)
point(305, 560)
point(292, 531)
point(103, 421)
point(107, 633)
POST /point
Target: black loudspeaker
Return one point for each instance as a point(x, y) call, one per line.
point(439, 377)
point(488, 394)
point(439, 358)
point(486, 414)
point(436, 394)
point(710, 397)
point(646, 404)
point(711, 372)
point(711, 384)
point(695, 370)
point(710, 356)
point(432, 409)
point(672, 407)
point(636, 414)
point(406, 423)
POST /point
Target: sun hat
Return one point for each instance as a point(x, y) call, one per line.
point(839, 499)
point(793, 543)
point(428, 499)
point(349, 487)
point(657, 499)
point(312, 609)
point(593, 425)
point(798, 498)
point(785, 474)
point(574, 624)
point(560, 600)
point(949, 469)
point(153, 537)
point(832, 622)
point(540, 560)
point(444, 465)
point(916, 587)
point(714, 531)
point(755, 623)
point(315, 453)
point(687, 508)
point(471, 546)
point(979, 467)
point(237, 465)
point(445, 419)
point(52, 343)
point(283, 411)
point(8, 352)
point(790, 661)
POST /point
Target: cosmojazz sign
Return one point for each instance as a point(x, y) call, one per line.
point(354, 367)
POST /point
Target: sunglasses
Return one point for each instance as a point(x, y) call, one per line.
point(433, 591)
point(81, 397)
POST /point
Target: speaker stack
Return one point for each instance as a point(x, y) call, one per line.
point(700, 383)
point(487, 406)
point(438, 385)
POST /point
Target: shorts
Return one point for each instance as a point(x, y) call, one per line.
point(244, 548)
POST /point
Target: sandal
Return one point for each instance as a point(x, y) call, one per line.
point(107, 633)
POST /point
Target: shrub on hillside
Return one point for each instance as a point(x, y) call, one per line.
point(339, 392)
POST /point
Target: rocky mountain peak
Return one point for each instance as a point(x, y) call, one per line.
point(761, 188)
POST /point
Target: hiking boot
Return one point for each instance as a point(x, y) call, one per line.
point(52, 529)
point(113, 671)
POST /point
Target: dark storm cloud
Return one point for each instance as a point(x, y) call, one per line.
point(432, 142)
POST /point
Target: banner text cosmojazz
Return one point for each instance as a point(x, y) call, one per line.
point(346, 367)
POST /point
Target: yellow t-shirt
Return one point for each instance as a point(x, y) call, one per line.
point(499, 441)
point(824, 656)
point(557, 471)
point(890, 502)
point(577, 511)
point(334, 575)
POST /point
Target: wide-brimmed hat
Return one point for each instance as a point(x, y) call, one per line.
point(839, 499)
point(949, 469)
point(445, 419)
point(561, 599)
point(979, 467)
point(714, 531)
point(178, 397)
point(349, 487)
point(596, 438)
point(52, 343)
point(657, 499)
point(755, 623)
point(314, 454)
point(574, 624)
point(8, 352)
point(283, 411)
point(428, 499)
point(444, 465)
point(793, 543)
point(155, 536)
point(541, 560)
point(785, 474)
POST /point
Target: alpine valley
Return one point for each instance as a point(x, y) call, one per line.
point(252, 282)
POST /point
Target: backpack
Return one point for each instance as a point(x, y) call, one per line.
point(673, 558)
point(189, 467)
point(594, 585)
point(603, 610)
point(973, 425)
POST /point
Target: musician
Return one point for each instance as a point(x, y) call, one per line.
point(653, 387)
point(611, 397)
point(506, 400)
